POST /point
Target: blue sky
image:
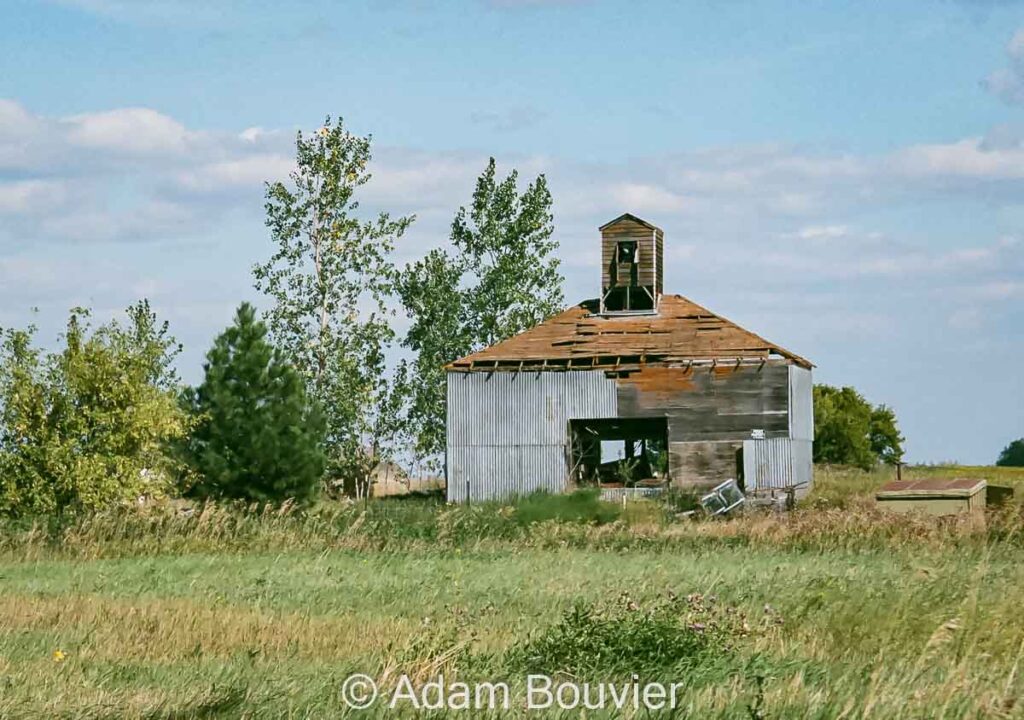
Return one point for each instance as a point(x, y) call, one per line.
point(844, 178)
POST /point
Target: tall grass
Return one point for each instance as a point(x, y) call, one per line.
point(230, 611)
point(839, 516)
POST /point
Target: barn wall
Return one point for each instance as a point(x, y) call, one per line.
point(777, 464)
point(801, 403)
point(508, 432)
point(700, 465)
point(704, 404)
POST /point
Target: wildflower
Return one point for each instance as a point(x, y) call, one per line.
point(58, 655)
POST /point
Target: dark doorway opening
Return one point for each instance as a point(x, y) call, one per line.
point(620, 452)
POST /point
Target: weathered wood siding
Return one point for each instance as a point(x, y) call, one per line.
point(649, 261)
point(724, 403)
point(659, 268)
point(702, 464)
point(710, 413)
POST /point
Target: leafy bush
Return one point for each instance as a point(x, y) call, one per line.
point(849, 431)
point(89, 426)
point(677, 500)
point(258, 438)
point(672, 634)
point(1012, 455)
point(584, 506)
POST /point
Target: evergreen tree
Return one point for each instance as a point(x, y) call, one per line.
point(259, 436)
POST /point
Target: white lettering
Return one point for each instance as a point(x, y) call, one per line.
point(538, 685)
point(675, 703)
point(594, 703)
point(574, 693)
point(654, 696)
point(490, 700)
point(458, 696)
point(437, 687)
point(404, 691)
point(619, 697)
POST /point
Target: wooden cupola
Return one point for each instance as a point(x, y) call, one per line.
point(632, 265)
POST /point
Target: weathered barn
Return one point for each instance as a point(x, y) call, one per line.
point(688, 397)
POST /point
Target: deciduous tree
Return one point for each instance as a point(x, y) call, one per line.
point(329, 279)
point(1012, 455)
point(92, 425)
point(849, 431)
point(499, 278)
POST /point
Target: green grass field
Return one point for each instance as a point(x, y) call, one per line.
point(263, 614)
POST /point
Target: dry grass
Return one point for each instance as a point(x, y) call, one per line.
point(229, 613)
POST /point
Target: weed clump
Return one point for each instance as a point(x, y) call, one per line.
point(669, 635)
point(581, 506)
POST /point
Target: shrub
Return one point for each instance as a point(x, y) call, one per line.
point(670, 635)
point(849, 431)
point(259, 438)
point(89, 426)
point(584, 506)
point(1012, 455)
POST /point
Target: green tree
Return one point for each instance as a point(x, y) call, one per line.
point(330, 278)
point(500, 277)
point(1012, 455)
point(259, 437)
point(92, 425)
point(849, 431)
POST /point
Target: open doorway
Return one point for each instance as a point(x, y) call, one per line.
point(620, 452)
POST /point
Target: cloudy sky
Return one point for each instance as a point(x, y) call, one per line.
point(846, 179)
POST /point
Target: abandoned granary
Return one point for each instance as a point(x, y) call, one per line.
point(676, 394)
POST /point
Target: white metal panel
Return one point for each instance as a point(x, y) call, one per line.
point(801, 403)
point(777, 464)
point(508, 432)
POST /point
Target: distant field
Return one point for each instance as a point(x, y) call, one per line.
point(228, 614)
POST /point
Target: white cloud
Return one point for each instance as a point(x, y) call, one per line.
point(246, 172)
point(29, 196)
point(966, 158)
point(138, 131)
point(643, 197)
point(1008, 82)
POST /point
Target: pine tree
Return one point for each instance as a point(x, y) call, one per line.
point(260, 438)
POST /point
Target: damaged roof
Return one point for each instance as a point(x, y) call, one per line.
point(578, 338)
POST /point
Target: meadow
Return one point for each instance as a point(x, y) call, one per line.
point(833, 610)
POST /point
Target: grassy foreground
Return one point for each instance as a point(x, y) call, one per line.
point(263, 614)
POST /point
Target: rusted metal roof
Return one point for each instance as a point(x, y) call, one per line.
point(680, 331)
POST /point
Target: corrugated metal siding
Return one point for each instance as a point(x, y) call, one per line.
point(803, 466)
point(508, 433)
point(801, 403)
point(776, 464)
